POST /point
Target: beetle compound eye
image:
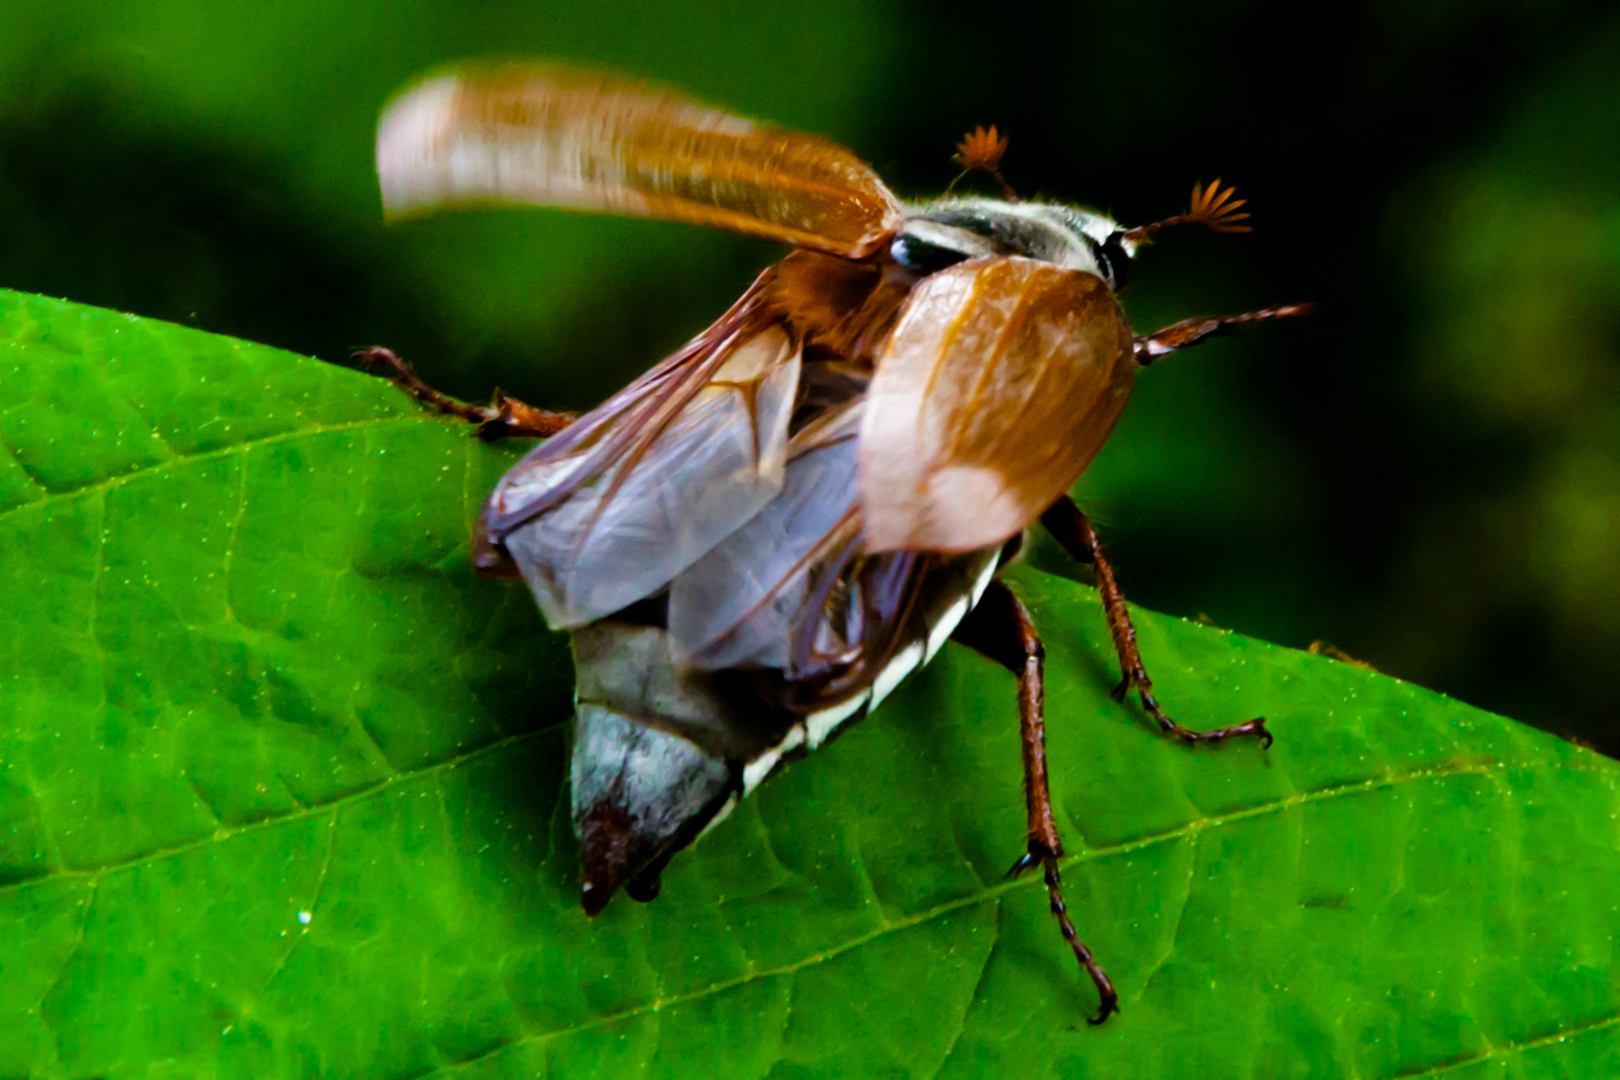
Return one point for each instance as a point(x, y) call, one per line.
point(923, 257)
point(1115, 259)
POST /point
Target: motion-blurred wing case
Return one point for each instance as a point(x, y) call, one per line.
point(551, 135)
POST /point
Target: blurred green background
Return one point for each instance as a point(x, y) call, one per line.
point(1427, 474)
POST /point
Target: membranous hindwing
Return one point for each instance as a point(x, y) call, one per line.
point(741, 604)
point(594, 526)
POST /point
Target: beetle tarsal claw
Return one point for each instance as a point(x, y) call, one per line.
point(1108, 1008)
point(1025, 861)
point(1099, 978)
point(1255, 728)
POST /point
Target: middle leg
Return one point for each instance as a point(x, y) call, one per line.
point(1070, 526)
point(999, 626)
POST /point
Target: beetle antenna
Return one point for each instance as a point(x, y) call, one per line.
point(1211, 206)
point(980, 151)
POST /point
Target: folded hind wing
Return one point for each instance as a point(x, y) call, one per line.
point(552, 135)
point(741, 603)
point(611, 510)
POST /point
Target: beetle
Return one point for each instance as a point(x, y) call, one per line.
point(758, 539)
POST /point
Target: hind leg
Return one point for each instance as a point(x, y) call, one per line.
point(999, 626)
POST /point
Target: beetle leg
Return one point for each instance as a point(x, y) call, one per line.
point(1065, 521)
point(1189, 332)
point(999, 626)
point(504, 417)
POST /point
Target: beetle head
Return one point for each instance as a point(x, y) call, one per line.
point(948, 231)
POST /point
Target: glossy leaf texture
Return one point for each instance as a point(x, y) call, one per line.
point(282, 793)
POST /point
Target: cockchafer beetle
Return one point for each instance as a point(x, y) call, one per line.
point(757, 540)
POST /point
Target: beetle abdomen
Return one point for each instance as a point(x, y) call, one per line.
point(663, 753)
point(639, 793)
point(657, 753)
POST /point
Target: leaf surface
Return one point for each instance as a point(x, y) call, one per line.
point(283, 793)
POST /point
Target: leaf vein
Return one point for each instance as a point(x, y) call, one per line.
point(231, 535)
point(246, 446)
point(97, 572)
point(314, 899)
point(78, 942)
point(995, 892)
point(978, 993)
point(307, 812)
point(1183, 898)
point(36, 490)
point(1507, 1049)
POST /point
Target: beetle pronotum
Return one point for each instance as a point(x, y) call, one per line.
point(754, 542)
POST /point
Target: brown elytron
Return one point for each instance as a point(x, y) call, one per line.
point(753, 543)
point(999, 385)
point(560, 136)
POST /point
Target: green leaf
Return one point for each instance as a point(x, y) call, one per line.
point(283, 793)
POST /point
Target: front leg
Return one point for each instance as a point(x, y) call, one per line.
point(1000, 628)
point(1065, 521)
point(504, 418)
point(1189, 332)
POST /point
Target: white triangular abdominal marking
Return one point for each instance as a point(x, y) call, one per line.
point(955, 599)
point(819, 725)
point(757, 770)
point(904, 662)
